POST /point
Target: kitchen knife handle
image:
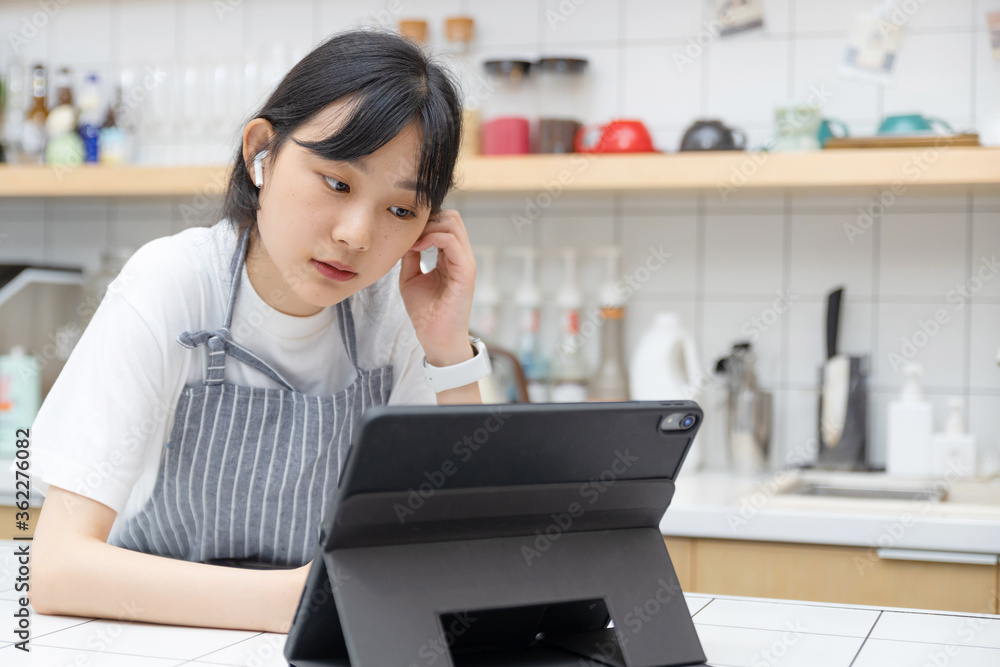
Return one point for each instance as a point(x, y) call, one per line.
point(832, 321)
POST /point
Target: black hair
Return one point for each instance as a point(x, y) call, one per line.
point(391, 82)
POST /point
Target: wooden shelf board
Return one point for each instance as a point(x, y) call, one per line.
point(724, 172)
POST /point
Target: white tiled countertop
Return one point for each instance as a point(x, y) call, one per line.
point(716, 505)
point(735, 632)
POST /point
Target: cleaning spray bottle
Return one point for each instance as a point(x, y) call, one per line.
point(485, 306)
point(610, 382)
point(569, 364)
point(528, 300)
point(911, 421)
point(953, 453)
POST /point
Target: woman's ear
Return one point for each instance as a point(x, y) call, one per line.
point(257, 134)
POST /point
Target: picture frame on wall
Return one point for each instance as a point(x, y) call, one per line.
point(736, 16)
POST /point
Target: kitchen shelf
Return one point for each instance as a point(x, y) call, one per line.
point(975, 169)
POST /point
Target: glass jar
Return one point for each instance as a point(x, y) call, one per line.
point(506, 129)
point(459, 32)
point(564, 97)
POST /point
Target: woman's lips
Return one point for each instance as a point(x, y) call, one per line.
point(333, 272)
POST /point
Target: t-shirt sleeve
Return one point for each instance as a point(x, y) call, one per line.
point(109, 403)
point(409, 386)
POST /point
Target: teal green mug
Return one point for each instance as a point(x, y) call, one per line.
point(826, 130)
point(912, 123)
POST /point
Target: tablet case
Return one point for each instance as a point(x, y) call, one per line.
point(469, 536)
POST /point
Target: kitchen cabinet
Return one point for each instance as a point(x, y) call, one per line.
point(722, 172)
point(848, 575)
point(8, 530)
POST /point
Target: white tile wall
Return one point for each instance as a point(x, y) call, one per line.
point(728, 257)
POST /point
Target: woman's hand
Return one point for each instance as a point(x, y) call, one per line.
point(439, 302)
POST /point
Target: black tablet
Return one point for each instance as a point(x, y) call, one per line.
point(418, 477)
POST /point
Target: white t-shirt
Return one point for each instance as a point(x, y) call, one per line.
point(101, 430)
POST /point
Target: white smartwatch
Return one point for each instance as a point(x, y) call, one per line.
point(442, 378)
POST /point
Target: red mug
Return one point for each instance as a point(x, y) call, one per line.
point(618, 136)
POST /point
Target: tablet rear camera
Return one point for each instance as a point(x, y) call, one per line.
point(678, 422)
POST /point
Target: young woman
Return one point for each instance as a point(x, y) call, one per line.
point(207, 410)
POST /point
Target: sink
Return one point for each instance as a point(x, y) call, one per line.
point(810, 488)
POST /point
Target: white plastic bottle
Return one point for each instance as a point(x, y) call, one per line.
point(665, 368)
point(911, 424)
point(20, 396)
point(664, 364)
point(953, 453)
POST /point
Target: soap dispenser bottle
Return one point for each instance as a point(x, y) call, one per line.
point(953, 453)
point(911, 424)
point(569, 363)
point(528, 300)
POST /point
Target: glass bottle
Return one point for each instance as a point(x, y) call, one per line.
point(610, 383)
point(113, 141)
point(15, 102)
point(33, 137)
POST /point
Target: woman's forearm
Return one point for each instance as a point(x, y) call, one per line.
point(94, 579)
point(459, 395)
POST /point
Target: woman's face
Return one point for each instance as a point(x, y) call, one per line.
point(329, 229)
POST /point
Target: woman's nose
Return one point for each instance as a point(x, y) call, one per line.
point(353, 228)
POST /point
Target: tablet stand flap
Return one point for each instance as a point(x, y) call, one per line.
point(540, 600)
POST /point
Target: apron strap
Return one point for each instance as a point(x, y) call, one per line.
point(235, 266)
point(345, 318)
point(219, 345)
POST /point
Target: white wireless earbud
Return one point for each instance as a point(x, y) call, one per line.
point(258, 171)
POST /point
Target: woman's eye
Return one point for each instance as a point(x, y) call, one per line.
point(401, 212)
point(336, 185)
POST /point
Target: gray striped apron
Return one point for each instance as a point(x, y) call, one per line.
point(247, 472)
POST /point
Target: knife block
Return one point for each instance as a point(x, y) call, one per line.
point(851, 452)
